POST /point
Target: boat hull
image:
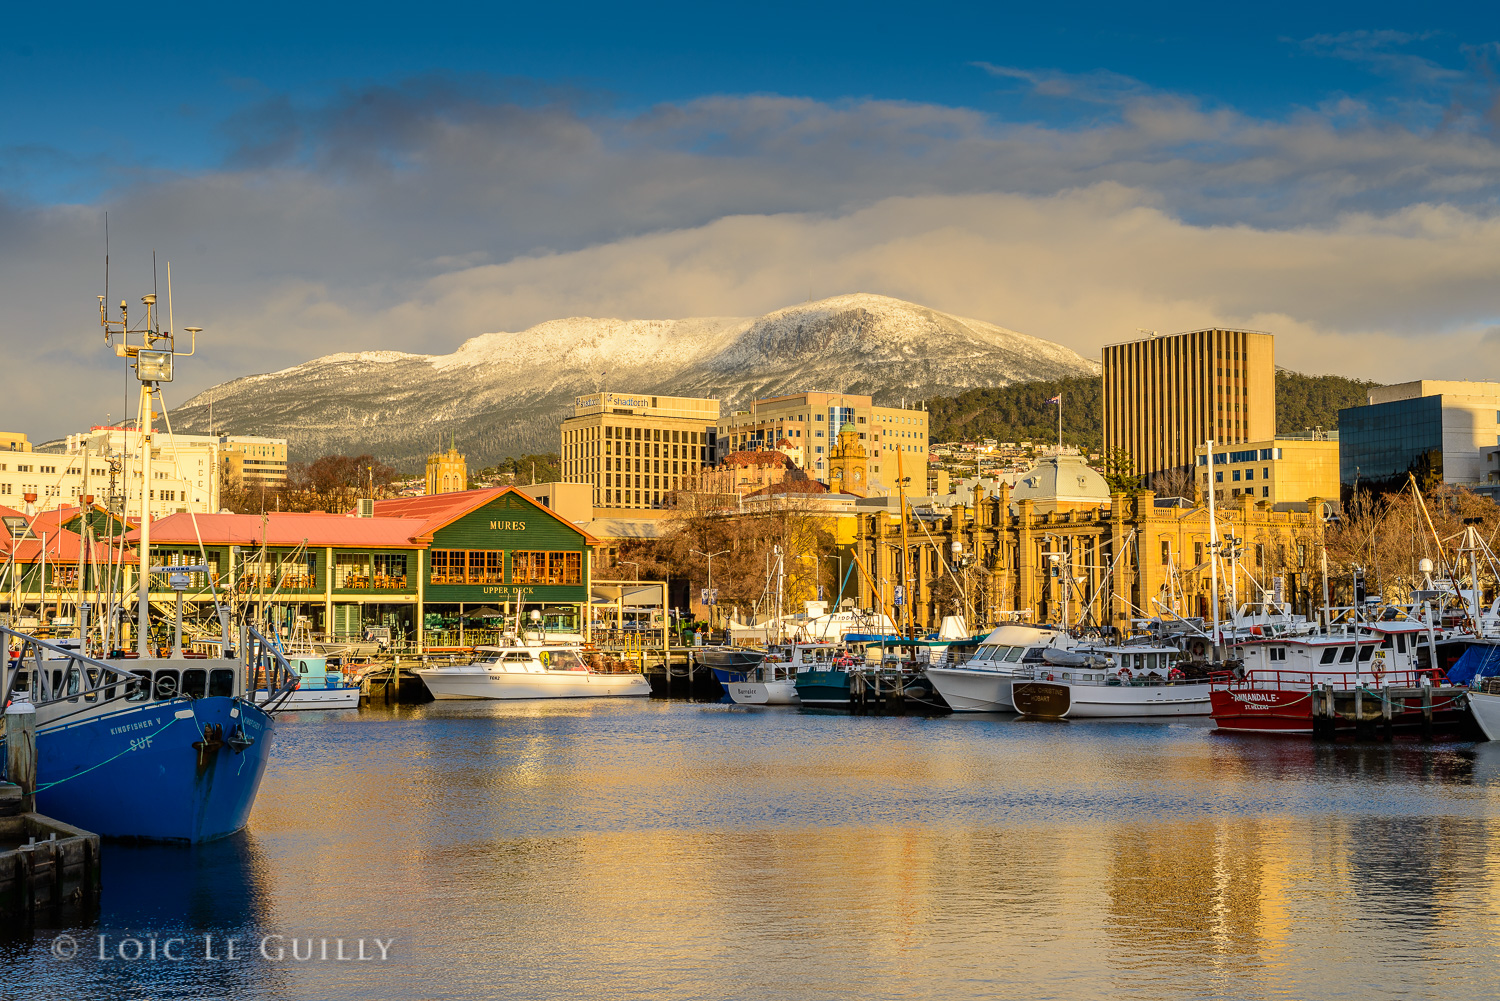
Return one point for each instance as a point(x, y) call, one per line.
point(1060, 699)
point(1043, 699)
point(317, 698)
point(829, 689)
point(1284, 710)
point(505, 686)
point(972, 691)
point(763, 693)
point(135, 773)
point(728, 658)
point(1486, 710)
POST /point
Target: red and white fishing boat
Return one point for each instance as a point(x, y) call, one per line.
point(1374, 673)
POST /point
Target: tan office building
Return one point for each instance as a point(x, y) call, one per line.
point(1165, 396)
point(634, 449)
point(810, 423)
point(1282, 471)
point(253, 461)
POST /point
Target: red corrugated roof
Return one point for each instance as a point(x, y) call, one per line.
point(62, 546)
point(286, 529)
point(444, 509)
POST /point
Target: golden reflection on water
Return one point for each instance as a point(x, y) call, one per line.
point(671, 851)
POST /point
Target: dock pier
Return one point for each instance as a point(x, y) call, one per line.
point(1377, 712)
point(46, 866)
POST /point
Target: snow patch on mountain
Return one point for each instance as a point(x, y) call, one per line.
point(505, 392)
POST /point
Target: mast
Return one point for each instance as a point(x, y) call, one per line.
point(153, 355)
point(143, 550)
point(83, 538)
point(1213, 547)
point(905, 576)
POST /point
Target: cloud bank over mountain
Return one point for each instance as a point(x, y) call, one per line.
point(413, 216)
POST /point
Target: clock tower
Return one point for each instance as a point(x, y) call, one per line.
point(849, 464)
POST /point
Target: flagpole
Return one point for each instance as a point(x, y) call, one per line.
point(1059, 423)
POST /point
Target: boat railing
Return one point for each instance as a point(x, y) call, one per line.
point(268, 664)
point(1109, 677)
point(1303, 679)
point(66, 676)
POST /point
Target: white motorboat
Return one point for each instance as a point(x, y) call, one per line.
point(1486, 710)
point(769, 683)
point(320, 685)
point(773, 682)
point(530, 669)
point(982, 684)
point(1130, 680)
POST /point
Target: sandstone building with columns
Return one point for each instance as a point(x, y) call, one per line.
point(996, 559)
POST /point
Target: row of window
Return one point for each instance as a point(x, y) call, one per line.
point(1244, 455)
point(1265, 474)
point(460, 566)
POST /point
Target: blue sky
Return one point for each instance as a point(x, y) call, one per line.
point(405, 177)
point(98, 89)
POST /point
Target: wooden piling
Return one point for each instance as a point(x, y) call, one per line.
point(1426, 712)
point(1386, 714)
point(20, 751)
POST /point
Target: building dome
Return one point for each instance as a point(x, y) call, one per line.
point(1061, 483)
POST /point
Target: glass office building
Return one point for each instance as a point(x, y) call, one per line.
point(1382, 444)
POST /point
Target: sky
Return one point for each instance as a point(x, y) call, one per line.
point(375, 177)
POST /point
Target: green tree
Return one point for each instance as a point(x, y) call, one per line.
point(1119, 472)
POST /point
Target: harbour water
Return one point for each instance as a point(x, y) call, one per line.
point(676, 850)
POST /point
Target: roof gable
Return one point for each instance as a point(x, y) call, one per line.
point(442, 510)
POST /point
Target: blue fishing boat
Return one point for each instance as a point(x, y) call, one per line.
point(166, 750)
point(149, 747)
point(729, 664)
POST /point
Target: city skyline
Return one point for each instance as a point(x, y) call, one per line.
point(405, 186)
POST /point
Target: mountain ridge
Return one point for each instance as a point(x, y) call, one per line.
point(503, 393)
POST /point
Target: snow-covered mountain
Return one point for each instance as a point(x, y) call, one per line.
point(505, 393)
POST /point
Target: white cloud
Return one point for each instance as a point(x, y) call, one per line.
point(412, 218)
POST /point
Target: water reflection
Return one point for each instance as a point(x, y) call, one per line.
point(689, 851)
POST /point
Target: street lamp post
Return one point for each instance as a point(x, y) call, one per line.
point(838, 577)
point(710, 558)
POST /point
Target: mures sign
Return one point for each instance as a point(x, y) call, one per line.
point(507, 526)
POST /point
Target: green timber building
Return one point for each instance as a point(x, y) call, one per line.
point(437, 571)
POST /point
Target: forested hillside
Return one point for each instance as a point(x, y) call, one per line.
point(1313, 401)
point(1020, 412)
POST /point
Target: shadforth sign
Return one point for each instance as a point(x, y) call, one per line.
point(507, 526)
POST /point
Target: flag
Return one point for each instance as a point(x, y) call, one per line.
point(1056, 399)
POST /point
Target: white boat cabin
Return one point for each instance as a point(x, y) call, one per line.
point(1374, 654)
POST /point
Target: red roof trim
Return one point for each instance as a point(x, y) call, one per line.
point(442, 510)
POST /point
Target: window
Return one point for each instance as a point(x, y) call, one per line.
point(1219, 476)
point(390, 570)
point(1260, 554)
point(447, 566)
point(1236, 476)
point(1347, 656)
point(1249, 474)
point(531, 567)
point(1198, 554)
point(1265, 491)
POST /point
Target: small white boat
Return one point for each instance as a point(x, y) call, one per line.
point(769, 683)
point(320, 677)
point(1124, 681)
point(529, 669)
point(983, 683)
